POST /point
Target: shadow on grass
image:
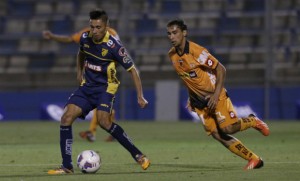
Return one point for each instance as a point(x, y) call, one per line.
point(173, 168)
point(188, 166)
point(194, 167)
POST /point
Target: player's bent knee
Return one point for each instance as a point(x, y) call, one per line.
point(66, 120)
point(216, 135)
point(221, 136)
point(105, 124)
point(230, 129)
point(226, 130)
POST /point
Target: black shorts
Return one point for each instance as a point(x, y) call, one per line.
point(89, 98)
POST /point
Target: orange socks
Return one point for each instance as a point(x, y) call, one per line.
point(239, 149)
point(247, 123)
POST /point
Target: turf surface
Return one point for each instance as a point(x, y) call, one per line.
point(178, 151)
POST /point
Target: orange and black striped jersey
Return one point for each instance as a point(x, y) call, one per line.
point(195, 67)
point(76, 36)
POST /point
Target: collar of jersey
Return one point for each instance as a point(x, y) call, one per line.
point(105, 38)
point(186, 49)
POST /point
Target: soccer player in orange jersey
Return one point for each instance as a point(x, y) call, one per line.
point(204, 76)
point(89, 135)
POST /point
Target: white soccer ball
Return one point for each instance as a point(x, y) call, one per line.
point(88, 161)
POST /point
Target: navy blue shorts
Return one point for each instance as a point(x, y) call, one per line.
point(89, 98)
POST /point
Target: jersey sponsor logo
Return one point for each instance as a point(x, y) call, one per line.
point(180, 62)
point(203, 57)
point(110, 43)
point(93, 67)
point(209, 62)
point(104, 105)
point(126, 59)
point(104, 52)
point(232, 114)
point(86, 46)
point(212, 77)
point(123, 52)
point(85, 35)
point(193, 74)
point(183, 75)
point(113, 76)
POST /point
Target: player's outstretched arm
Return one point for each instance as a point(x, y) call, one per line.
point(59, 38)
point(139, 89)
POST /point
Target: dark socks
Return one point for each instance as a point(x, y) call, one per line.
point(118, 133)
point(66, 141)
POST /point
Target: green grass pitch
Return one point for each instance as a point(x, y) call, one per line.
point(178, 151)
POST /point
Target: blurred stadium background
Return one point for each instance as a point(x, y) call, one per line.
point(257, 40)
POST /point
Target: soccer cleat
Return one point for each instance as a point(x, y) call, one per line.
point(88, 135)
point(143, 161)
point(254, 164)
point(261, 126)
point(60, 170)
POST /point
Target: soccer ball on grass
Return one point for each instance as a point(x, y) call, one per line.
point(88, 161)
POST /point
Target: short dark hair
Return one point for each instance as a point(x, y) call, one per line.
point(99, 14)
point(179, 22)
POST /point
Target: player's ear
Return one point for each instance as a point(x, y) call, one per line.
point(184, 32)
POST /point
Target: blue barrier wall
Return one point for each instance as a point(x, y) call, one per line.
point(132, 109)
point(28, 105)
point(285, 103)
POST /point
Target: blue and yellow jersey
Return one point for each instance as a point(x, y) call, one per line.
point(101, 59)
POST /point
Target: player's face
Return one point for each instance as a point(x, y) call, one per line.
point(175, 35)
point(98, 29)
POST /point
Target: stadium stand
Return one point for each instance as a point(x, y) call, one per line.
point(234, 30)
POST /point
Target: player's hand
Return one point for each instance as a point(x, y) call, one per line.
point(47, 34)
point(142, 102)
point(212, 101)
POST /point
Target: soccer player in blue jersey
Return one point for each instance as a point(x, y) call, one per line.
point(96, 71)
point(90, 134)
